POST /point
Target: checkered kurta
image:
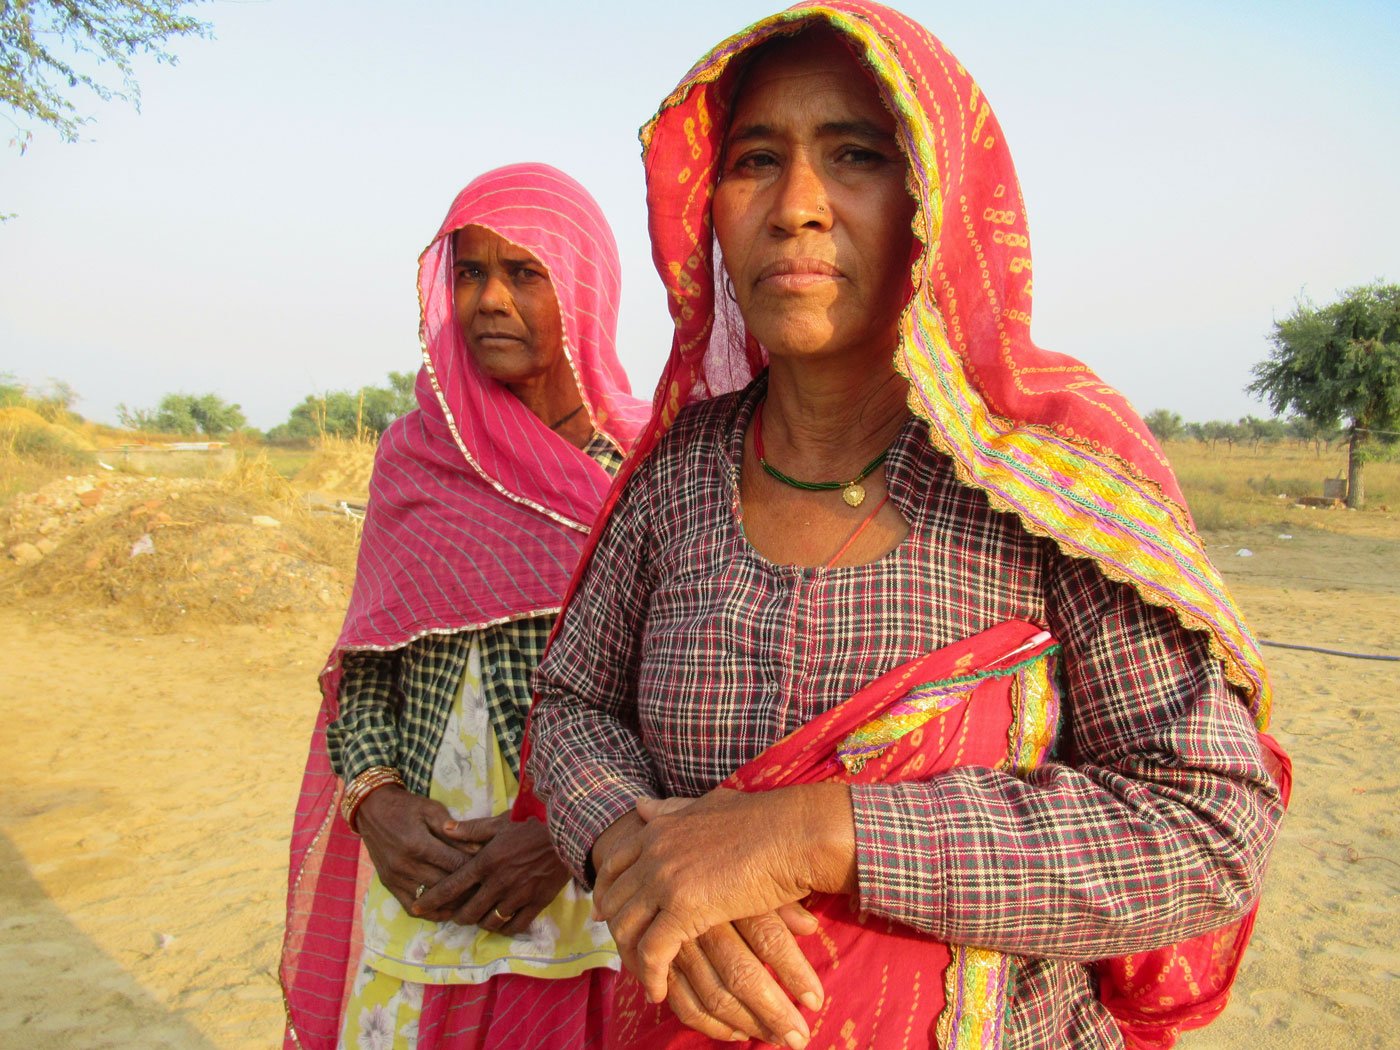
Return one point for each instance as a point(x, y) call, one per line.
point(685, 653)
point(393, 705)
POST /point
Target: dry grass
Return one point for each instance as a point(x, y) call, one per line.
point(288, 460)
point(331, 539)
point(34, 451)
point(1244, 488)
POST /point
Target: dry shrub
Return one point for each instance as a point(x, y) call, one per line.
point(33, 451)
point(24, 432)
point(166, 551)
point(339, 467)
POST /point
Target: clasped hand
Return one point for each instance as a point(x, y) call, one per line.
point(491, 872)
point(701, 896)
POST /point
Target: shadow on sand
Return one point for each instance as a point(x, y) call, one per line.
point(45, 961)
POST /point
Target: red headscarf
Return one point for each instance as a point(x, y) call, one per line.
point(478, 512)
point(1040, 433)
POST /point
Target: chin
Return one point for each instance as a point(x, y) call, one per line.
point(804, 344)
point(798, 333)
point(504, 368)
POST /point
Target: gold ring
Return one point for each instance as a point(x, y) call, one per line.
point(504, 918)
point(419, 891)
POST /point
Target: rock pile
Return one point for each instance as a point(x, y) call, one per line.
point(39, 522)
point(167, 549)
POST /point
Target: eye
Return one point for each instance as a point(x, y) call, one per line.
point(754, 162)
point(467, 272)
point(861, 156)
point(530, 274)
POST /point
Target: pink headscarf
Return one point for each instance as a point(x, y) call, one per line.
point(478, 512)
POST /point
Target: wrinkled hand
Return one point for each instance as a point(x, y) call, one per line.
point(514, 873)
point(721, 986)
point(719, 983)
point(727, 855)
point(403, 833)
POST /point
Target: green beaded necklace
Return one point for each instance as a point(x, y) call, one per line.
point(853, 492)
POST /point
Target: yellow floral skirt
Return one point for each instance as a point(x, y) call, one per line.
point(404, 957)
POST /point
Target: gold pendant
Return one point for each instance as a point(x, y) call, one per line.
point(853, 494)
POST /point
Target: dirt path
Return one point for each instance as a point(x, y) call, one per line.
point(1324, 967)
point(149, 784)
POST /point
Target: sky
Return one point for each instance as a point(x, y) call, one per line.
point(1190, 170)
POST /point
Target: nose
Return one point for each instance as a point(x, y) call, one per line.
point(495, 295)
point(800, 198)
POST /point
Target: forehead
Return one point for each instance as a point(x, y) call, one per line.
point(812, 75)
point(479, 242)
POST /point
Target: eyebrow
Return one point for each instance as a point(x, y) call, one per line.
point(516, 261)
point(860, 128)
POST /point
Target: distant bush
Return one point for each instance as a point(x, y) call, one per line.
point(350, 414)
point(53, 402)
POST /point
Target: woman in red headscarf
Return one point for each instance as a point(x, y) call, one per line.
point(455, 926)
point(896, 613)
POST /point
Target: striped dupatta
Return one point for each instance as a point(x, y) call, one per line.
point(478, 512)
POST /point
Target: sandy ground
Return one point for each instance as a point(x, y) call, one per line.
point(143, 827)
point(1324, 966)
point(149, 784)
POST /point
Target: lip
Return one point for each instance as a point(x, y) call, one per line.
point(798, 273)
point(496, 337)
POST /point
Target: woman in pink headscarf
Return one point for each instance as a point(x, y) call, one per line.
point(454, 925)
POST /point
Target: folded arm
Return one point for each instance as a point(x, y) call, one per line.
point(1152, 821)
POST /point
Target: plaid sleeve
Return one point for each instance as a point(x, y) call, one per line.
point(510, 652)
point(365, 733)
point(586, 757)
point(1153, 824)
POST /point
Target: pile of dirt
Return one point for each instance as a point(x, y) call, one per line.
point(164, 551)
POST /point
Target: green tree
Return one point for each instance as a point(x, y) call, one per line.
point(50, 47)
point(206, 414)
point(401, 383)
point(1165, 426)
point(1212, 431)
point(1256, 431)
point(1306, 432)
point(1230, 433)
point(366, 412)
point(136, 418)
point(1339, 363)
point(335, 412)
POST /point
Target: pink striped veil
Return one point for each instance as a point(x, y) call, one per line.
point(477, 515)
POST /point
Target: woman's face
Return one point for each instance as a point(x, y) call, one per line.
point(811, 211)
point(507, 309)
